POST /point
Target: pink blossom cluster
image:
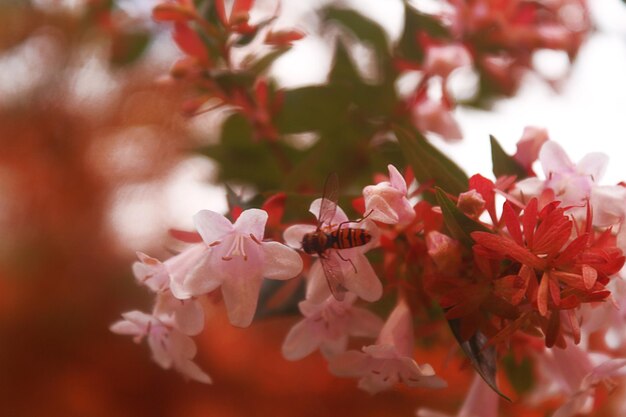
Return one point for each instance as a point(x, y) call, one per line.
point(494, 39)
point(232, 259)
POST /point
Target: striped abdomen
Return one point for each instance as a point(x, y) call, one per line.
point(348, 238)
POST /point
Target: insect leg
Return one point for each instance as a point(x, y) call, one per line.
point(355, 221)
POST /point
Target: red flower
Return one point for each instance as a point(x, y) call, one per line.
point(545, 268)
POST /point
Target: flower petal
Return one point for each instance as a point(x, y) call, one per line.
point(396, 179)
point(194, 275)
point(241, 295)
point(293, 234)
point(212, 226)
point(594, 165)
point(364, 323)
point(332, 347)
point(301, 341)
point(554, 159)
point(317, 288)
point(339, 217)
point(280, 261)
point(126, 327)
point(363, 282)
point(193, 371)
point(189, 317)
point(381, 210)
point(252, 221)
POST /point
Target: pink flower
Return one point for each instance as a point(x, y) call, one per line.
point(170, 347)
point(326, 326)
point(576, 373)
point(528, 147)
point(237, 260)
point(387, 200)
point(442, 60)
point(434, 116)
point(609, 203)
point(160, 276)
point(390, 360)
point(185, 315)
point(480, 401)
point(359, 275)
point(571, 183)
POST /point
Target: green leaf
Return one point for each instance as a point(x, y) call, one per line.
point(243, 158)
point(311, 108)
point(415, 21)
point(520, 374)
point(429, 163)
point(482, 356)
point(458, 224)
point(343, 73)
point(364, 29)
point(504, 164)
point(263, 63)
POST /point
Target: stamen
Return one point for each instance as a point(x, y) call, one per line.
point(254, 239)
point(237, 248)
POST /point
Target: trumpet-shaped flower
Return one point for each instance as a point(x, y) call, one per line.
point(238, 260)
point(159, 276)
point(576, 373)
point(327, 326)
point(356, 270)
point(387, 200)
point(571, 183)
point(390, 360)
point(170, 347)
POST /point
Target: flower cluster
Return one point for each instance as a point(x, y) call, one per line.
point(520, 271)
point(230, 257)
point(496, 40)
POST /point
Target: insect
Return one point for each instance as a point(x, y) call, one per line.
point(324, 238)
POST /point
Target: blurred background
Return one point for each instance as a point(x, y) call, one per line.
point(95, 164)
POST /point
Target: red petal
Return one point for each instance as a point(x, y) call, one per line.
point(283, 37)
point(542, 295)
point(221, 11)
point(590, 276)
point(512, 223)
point(189, 42)
point(552, 233)
point(508, 248)
point(275, 208)
point(242, 6)
point(572, 250)
point(485, 188)
point(511, 287)
point(240, 12)
point(529, 221)
point(555, 291)
point(172, 12)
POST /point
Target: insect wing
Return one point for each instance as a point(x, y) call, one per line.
point(328, 206)
point(334, 276)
